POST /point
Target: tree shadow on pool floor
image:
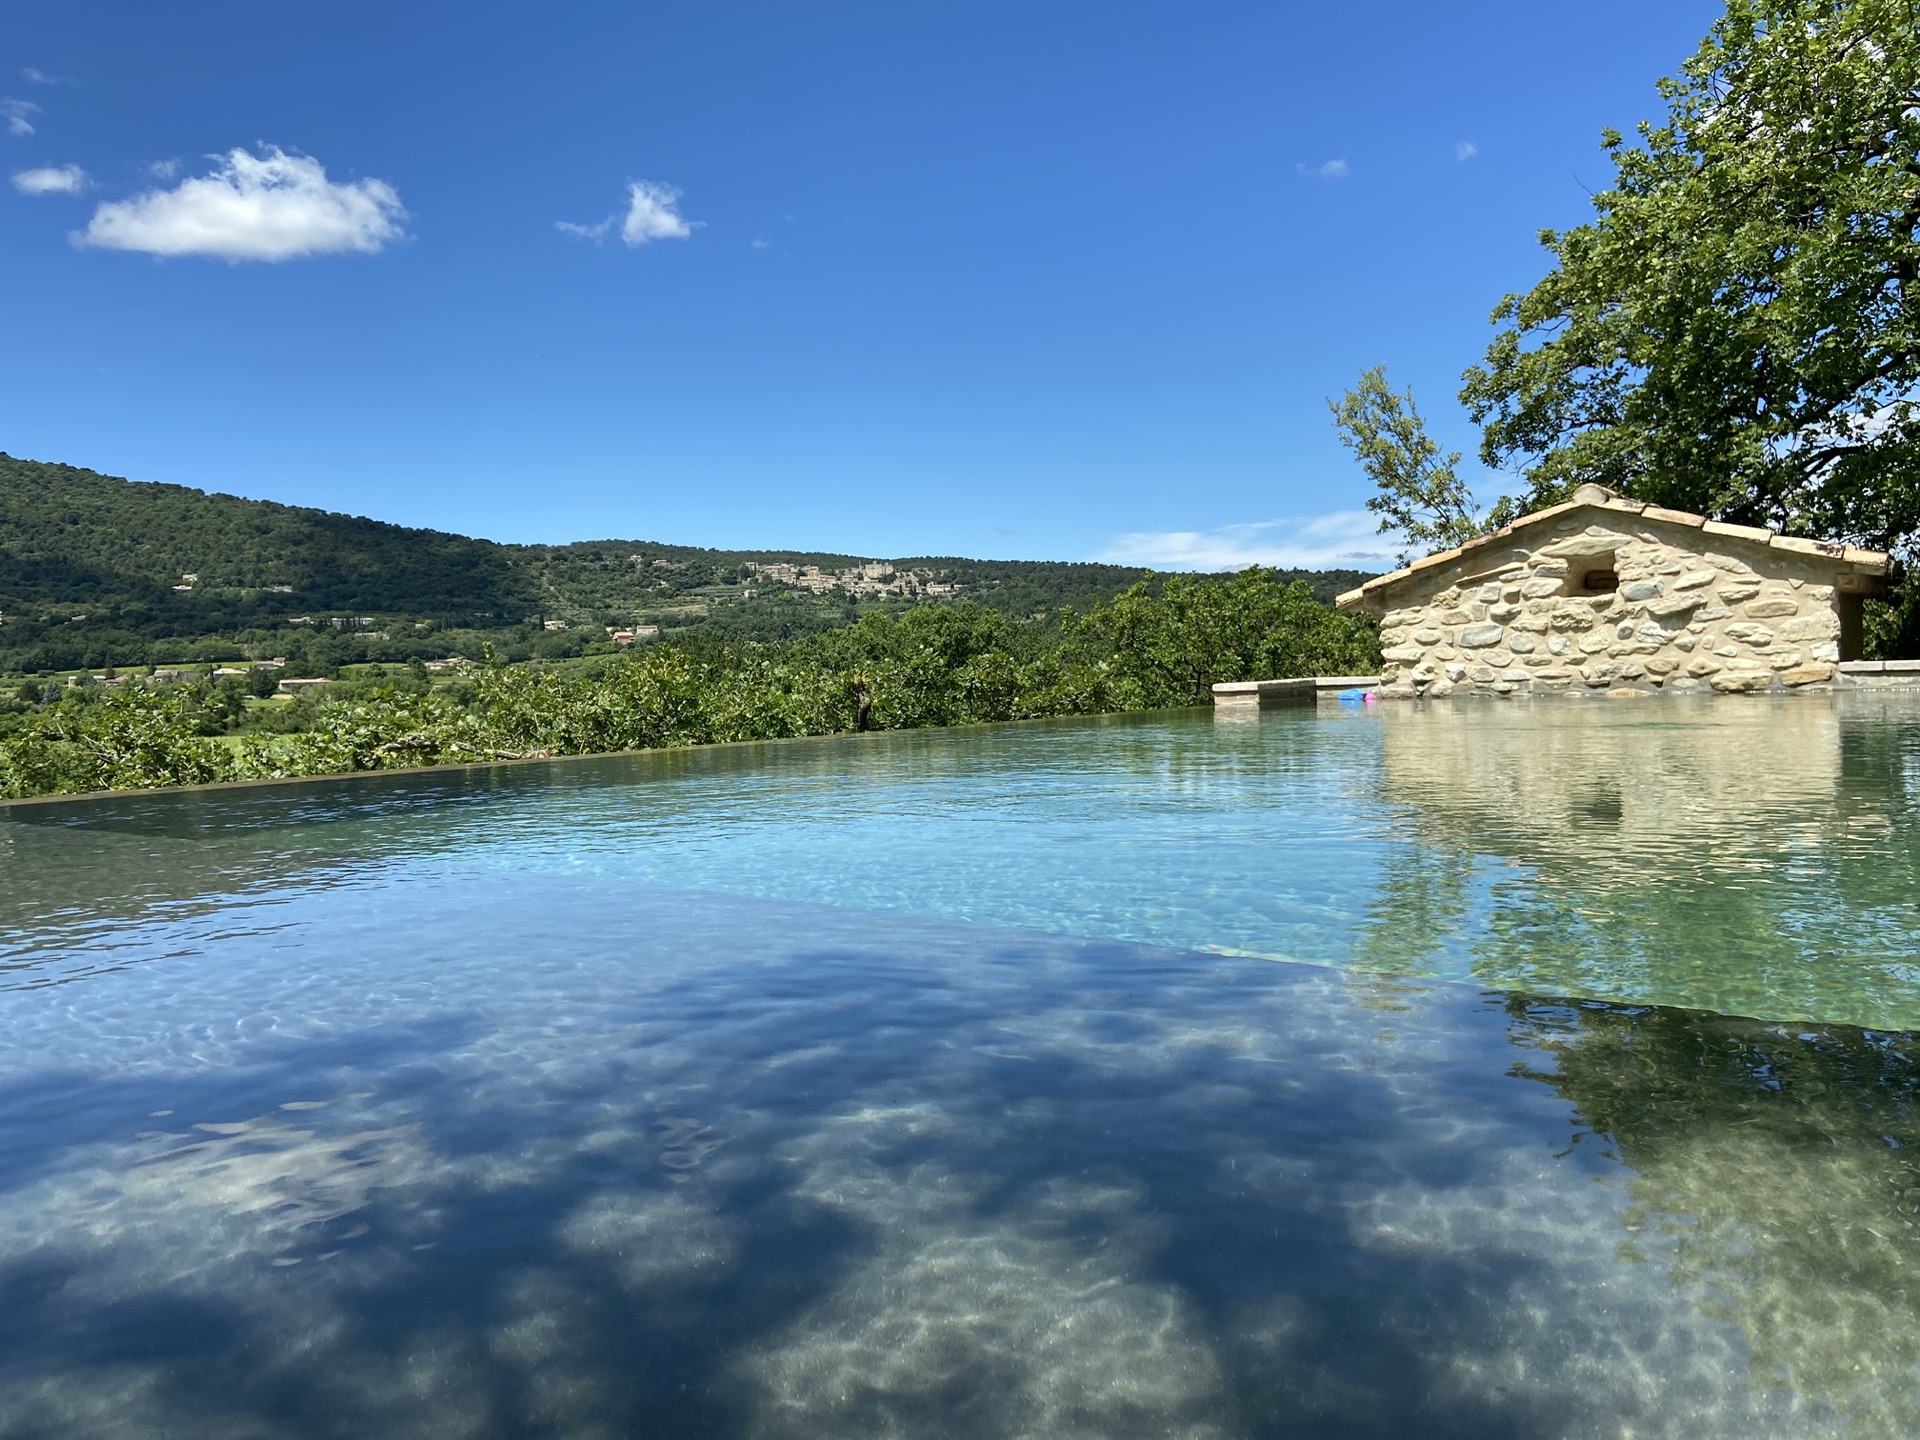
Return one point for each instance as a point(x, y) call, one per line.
point(831, 1198)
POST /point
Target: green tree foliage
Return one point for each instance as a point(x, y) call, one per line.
point(1168, 648)
point(1738, 331)
point(1418, 493)
point(1159, 644)
point(127, 741)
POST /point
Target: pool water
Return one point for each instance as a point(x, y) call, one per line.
point(1486, 1070)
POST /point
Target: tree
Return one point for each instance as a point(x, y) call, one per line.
point(1168, 645)
point(1738, 331)
point(1420, 494)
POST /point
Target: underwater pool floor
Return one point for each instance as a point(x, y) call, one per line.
point(1104, 1079)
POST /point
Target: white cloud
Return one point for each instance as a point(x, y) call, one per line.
point(270, 206)
point(1882, 419)
point(15, 112)
point(761, 242)
point(1863, 427)
point(595, 233)
point(50, 180)
point(164, 169)
point(1465, 149)
point(652, 214)
point(40, 77)
point(1331, 170)
point(1344, 540)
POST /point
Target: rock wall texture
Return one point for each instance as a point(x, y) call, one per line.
point(1605, 598)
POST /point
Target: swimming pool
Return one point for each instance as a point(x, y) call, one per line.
point(1532, 1070)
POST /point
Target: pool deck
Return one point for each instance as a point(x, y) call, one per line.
point(1259, 694)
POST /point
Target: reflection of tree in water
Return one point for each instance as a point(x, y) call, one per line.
point(1421, 903)
point(1776, 1171)
point(1757, 859)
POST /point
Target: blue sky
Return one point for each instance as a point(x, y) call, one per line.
point(1039, 280)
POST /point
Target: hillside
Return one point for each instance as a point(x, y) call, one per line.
point(97, 570)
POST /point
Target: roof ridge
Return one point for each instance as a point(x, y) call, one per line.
point(1598, 497)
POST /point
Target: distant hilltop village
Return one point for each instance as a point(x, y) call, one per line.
point(874, 579)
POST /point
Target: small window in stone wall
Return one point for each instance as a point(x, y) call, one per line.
point(1592, 575)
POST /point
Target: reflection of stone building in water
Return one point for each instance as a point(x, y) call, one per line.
point(1604, 593)
point(1753, 859)
point(1617, 793)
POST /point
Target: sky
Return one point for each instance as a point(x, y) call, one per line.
point(1008, 280)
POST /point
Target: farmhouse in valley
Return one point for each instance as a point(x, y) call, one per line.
point(1608, 593)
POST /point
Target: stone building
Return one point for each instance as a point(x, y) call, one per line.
point(1606, 593)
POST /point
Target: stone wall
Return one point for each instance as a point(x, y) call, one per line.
point(1696, 608)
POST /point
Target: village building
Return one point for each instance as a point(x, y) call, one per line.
point(1604, 593)
point(871, 579)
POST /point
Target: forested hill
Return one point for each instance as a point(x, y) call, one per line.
point(94, 568)
point(71, 536)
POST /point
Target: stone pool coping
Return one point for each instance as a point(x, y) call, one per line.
point(1257, 694)
point(1252, 694)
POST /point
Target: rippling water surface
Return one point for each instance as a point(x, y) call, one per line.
point(1497, 1070)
